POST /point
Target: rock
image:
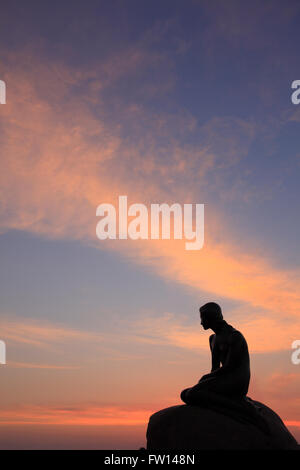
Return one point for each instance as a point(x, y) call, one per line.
point(195, 428)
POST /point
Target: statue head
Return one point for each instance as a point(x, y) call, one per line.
point(210, 315)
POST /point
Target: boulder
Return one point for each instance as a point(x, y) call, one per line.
point(191, 427)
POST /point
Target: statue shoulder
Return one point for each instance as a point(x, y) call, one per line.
point(237, 336)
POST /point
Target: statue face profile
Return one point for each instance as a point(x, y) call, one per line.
point(204, 321)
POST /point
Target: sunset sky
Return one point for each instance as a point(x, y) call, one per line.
point(163, 101)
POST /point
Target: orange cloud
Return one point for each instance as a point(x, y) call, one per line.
point(295, 424)
point(82, 416)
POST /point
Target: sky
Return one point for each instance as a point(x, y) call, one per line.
point(165, 102)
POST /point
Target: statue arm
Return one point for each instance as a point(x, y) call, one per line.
point(233, 355)
point(215, 357)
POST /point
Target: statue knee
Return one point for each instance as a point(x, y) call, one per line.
point(183, 394)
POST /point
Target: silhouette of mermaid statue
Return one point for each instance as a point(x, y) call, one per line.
point(225, 388)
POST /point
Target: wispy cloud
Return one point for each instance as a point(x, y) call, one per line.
point(27, 365)
point(62, 157)
point(42, 334)
point(75, 415)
